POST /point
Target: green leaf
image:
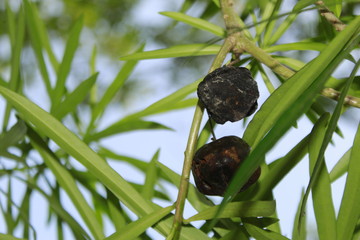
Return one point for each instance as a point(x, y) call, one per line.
point(36, 35)
point(114, 87)
point(64, 68)
point(139, 164)
point(151, 177)
point(72, 100)
point(239, 233)
point(335, 6)
point(67, 182)
point(301, 46)
point(9, 237)
point(281, 29)
point(16, 35)
point(280, 168)
point(262, 234)
point(188, 50)
point(237, 209)
point(13, 136)
point(299, 234)
point(137, 227)
point(350, 209)
point(341, 166)
point(196, 22)
point(321, 190)
point(168, 103)
point(121, 127)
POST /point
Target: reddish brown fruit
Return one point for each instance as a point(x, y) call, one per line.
point(215, 164)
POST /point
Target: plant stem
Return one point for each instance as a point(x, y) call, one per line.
point(191, 147)
point(330, 16)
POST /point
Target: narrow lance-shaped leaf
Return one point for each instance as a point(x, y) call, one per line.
point(151, 177)
point(73, 99)
point(36, 42)
point(168, 103)
point(121, 127)
point(280, 168)
point(350, 209)
point(341, 166)
point(296, 233)
point(16, 34)
point(13, 136)
point(321, 191)
point(267, 26)
point(196, 22)
point(189, 50)
point(64, 68)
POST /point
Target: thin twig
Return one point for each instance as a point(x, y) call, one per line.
point(191, 147)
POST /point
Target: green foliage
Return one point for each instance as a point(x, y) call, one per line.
point(41, 147)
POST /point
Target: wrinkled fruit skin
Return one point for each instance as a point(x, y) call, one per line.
point(229, 94)
point(215, 164)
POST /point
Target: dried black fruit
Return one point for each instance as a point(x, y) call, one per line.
point(215, 164)
point(229, 94)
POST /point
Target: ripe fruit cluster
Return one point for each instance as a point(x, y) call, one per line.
point(228, 94)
